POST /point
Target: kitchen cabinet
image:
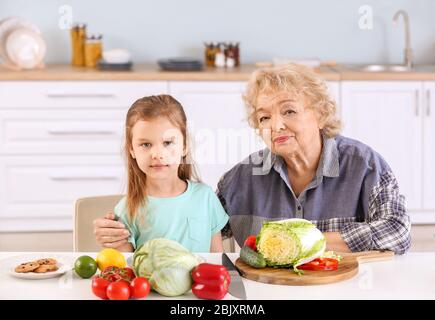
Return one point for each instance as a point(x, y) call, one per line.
point(392, 118)
point(61, 140)
point(60, 131)
point(76, 94)
point(218, 126)
point(428, 114)
point(334, 89)
point(42, 189)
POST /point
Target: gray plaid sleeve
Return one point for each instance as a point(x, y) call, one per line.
point(388, 225)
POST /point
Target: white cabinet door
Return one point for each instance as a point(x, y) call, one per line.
point(76, 94)
point(217, 123)
point(68, 131)
point(429, 146)
point(47, 186)
point(387, 116)
point(334, 89)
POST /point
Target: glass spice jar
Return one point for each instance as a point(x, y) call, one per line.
point(93, 50)
point(236, 50)
point(209, 54)
point(78, 37)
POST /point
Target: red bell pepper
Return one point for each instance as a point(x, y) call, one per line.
point(211, 281)
point(317, 264)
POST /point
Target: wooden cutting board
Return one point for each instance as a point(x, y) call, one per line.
point(347, 268)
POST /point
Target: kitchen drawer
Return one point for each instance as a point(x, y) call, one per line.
point(43, 187)
point(76, 94)
point(61, 131)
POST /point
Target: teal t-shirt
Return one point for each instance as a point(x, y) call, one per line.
point(191, 218)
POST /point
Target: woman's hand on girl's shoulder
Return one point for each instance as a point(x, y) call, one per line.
point(110, 233)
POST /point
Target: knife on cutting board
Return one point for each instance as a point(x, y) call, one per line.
point(236, 289)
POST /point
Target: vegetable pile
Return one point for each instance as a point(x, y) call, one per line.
point(159, 264)
point(290, 242)
point(295, 243)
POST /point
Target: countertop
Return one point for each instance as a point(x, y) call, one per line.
point(353, 72)
point(151, 72)
point(410, 276)
point(148, 72)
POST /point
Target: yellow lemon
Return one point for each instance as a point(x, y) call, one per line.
point(110, 257)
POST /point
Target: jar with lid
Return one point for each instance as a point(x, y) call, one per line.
point(230, 56)
point(236, 51)
point(93, 50)
point(209, 54)
point(78, 38)
point(219, 60)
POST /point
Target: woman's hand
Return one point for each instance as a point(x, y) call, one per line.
point(334, 242)
point(110, 233)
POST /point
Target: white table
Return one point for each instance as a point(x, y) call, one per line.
point(411, 276)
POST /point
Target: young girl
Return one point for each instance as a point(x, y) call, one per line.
point(164, 196)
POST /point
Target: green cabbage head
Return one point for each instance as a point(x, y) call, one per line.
point(290, 242)
point(167, 264)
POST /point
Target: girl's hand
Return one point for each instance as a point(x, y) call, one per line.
point(110, 233)
point(216, 243)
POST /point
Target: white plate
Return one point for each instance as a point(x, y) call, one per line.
point(25, 48)
point(116, 56)
point(8, 25)
point(63, 263)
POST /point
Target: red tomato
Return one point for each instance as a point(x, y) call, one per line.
point(139, 287)
point(111, 274)
point(127, 274)
point(99, 287)
point(118, 290)
point(320, 264)
point(251, 242)
point(114, 274)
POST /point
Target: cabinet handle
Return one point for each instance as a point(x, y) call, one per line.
point(74, 132)
point(428, 103)
point(79, 95)
point(417, 95)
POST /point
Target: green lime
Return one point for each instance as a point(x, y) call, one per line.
point(85, 266)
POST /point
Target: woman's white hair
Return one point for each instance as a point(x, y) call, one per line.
point(295, 79)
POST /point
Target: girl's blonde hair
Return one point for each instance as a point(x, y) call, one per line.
point(149, 108)
point(296, 79)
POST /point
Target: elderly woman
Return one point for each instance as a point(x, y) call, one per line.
point(309, 171)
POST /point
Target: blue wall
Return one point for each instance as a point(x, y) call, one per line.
point(266, 28)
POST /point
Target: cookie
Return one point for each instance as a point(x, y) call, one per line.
point(46, 268)
point(27, 267)
point(46, 261)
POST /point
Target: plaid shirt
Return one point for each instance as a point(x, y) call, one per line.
point(354, 192)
